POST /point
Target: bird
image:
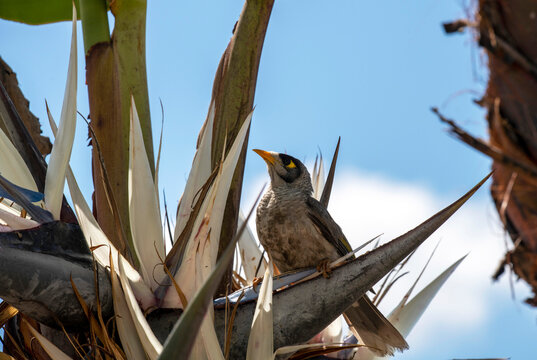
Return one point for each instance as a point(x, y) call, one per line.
point(297, 231)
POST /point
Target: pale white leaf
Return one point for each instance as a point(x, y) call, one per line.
point(405, 316)
point(125, 324)
point(206, 345)
point(61, 150)
point(317, 179)
point(205, 236)
point(144, 210)
point(96, 238)
point(250, 253)
point(199, 173)
point(48, 346)
point(260, 342)
point(331, 334)
point(149, 341)
point(12, 166)
point(16, 222)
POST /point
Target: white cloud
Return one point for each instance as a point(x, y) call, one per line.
point(365, 205)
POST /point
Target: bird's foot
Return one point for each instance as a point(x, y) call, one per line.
point(324, 268)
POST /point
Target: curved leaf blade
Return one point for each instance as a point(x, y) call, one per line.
point(144, 210)
point(61, 150)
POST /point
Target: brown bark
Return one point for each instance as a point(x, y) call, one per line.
point(233, 94)
point(11, 84)
point(507, 31)
point(108, 142)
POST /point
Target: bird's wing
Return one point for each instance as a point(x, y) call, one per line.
point(327, 226)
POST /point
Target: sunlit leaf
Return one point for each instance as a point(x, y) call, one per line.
point(199, 173)
point(97, 239)
point(61, 150)
point(144, 210)
point(125, 324)
point(4, 356)
point(405, 316)
point(252, 259)
point(260, 342)
point(12, 166)
point(317, 178)
point(149, 341)
point(327, 188)
point(179, 343)
point(6, 312)
point(17, 222)
point(208, 224)
point(48, 346)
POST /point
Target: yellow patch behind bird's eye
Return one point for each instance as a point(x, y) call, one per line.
point(291, 165)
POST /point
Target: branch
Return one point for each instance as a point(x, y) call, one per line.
point(35, 270)
point(487, 149)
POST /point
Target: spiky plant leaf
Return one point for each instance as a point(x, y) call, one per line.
point(61, 150)
point(12, 166)
point(125, 324)
point(327, 189)
point(49, 347)
point(97, 240)
point(16, 222)
point(406, 315)
point(199, 173)
point(144, 210)
point(4, 356)
point(206, 235)
point(149, 341)
point(251, 256)
point(179, 343)
point(6, 312)
point(317, 178)
point(260, 342)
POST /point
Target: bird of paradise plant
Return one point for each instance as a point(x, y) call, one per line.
point(104, 276)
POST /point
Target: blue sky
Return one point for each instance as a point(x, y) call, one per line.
point(366, 71)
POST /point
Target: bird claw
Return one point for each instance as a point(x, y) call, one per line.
point(324, 268)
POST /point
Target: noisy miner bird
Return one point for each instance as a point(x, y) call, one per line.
point(297, 231)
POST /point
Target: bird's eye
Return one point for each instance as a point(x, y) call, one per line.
point(287, 162)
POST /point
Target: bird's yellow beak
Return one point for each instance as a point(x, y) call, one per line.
point(267, 156)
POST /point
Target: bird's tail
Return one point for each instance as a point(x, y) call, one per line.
point(368, 323)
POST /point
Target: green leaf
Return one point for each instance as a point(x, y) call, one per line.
point(37, 12)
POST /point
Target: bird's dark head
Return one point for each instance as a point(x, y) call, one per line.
point(286, 171)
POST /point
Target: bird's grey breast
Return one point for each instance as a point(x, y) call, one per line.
point(288, 234)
